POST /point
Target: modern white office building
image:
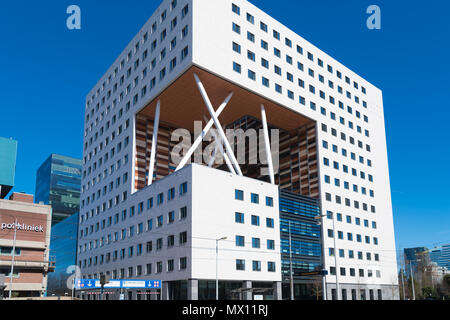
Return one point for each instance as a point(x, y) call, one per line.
point(145, 215)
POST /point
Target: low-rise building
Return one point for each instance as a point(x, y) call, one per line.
point(437, 273)
point(24, 245)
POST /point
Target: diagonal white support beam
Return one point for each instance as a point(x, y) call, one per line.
point(154, 144)
point(216, 148)
point(219, 147)
point(199, 139)
point(267, 144)
point(219, 128)
point(213, 158)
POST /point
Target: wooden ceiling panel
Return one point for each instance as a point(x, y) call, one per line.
point(182, 103)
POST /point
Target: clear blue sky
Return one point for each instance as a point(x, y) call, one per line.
point(46, 71)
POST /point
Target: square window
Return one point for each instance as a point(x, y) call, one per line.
point(239, 217)
point(263, 26)
point(251, 55)
point(236, 28)
point(240, 241)
point(236, 47)
point(278, 88)
point(235, 9)
point(237, 67)
point(255, 220)
point(250, 18)
point(251, 75)
point(250, 36)
point(264, 45)
point(276, 34)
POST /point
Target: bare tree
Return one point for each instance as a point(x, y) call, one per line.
point(402, 285)
point(394, 286)
point(316, 287)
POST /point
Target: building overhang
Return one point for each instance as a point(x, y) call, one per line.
point(199, 99)
point(182, 104)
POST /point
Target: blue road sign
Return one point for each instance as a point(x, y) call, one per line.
point(85, 283)
point(118, 283)
point(154, 284)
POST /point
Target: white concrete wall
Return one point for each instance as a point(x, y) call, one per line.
point(213, 39)
point(213, 217)
point(103, 113)
point(115, 108)
point(179, 225)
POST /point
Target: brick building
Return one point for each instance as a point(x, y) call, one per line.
point(24, 226)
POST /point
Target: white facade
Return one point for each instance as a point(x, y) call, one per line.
point(348, 111)
point(210, 215)
point(109, 144)
point(214, 207)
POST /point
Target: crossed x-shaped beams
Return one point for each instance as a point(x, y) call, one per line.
point(228, 155)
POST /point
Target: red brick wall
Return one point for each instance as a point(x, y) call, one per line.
point(22, 197)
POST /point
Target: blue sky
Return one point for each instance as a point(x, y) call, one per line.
point(46, 71)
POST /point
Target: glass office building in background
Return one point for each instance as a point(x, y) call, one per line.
point(411, 256)
point(8, 152)
point(435, 255)
point(63, 248)
point(444, 259)
point(58, 183)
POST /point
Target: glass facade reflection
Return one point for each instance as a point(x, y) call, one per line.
point(411, 256)
point(58, 183)
point(8, 152)
point(299, 211)
point(63, 249)
point(228, 290)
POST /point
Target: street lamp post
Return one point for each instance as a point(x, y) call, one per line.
point(12, 259)
point(324, 287)
point(290, 261)
point(217, 266)
point(403, 284)
point(335, 252)
point(73, 288)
